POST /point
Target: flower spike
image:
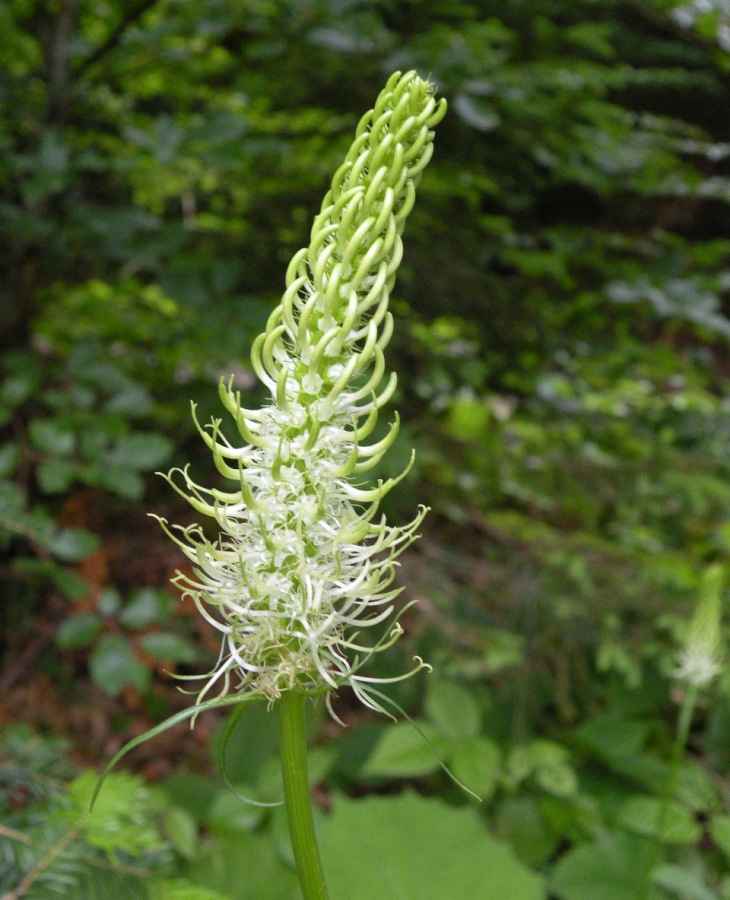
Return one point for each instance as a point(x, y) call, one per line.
point(303, 563)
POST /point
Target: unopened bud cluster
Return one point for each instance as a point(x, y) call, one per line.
point(303, 562)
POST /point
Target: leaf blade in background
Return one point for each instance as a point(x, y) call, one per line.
point(423, 849)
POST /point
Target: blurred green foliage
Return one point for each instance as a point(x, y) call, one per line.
point(562, 340)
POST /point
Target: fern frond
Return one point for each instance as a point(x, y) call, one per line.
point(53, 848)
point(32, 767)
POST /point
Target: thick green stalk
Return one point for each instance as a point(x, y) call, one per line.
point(293, 749)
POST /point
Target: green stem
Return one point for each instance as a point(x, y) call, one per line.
point(293, 748)
point(684, 723)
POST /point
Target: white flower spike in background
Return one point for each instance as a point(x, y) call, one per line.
point(701, 658)
point(303, 562)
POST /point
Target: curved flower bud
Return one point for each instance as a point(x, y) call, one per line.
point(303, 562)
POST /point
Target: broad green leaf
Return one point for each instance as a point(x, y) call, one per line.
point(230, 815)
point(644, 814)
point(73, 586)
point(182, 831)
point(546, 761)
point(113, 666)
point(520, 822)
point(56, 475)
point(141, 452)
point(559, 780)
point(402, 752)
point(682, 883)
point(69, 583)
point(244, 867)
point(50, 437)
point(476, 763)
point(165, 645)
point(91, 370)
point(146, 606)
point(720, 833)
point(468, 419)
point(610, 736)
point(695, 789)
point(18, 388)
point(72, 544)
point(452, 709)
point(121, 481)
point(408, 847)
point(78, 631)
point(319, 763)
point(180, 889)
point(281, 837)
point(191, 792)
point(253, 742)
point(354, 746)
point(132, 401)
point(9, 456)
point(109, 601)
point(12, 502)
point(615, 869)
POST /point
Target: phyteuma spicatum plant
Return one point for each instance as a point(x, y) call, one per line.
point(303, 561)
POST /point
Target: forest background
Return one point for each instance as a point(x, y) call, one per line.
point(562, 347)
